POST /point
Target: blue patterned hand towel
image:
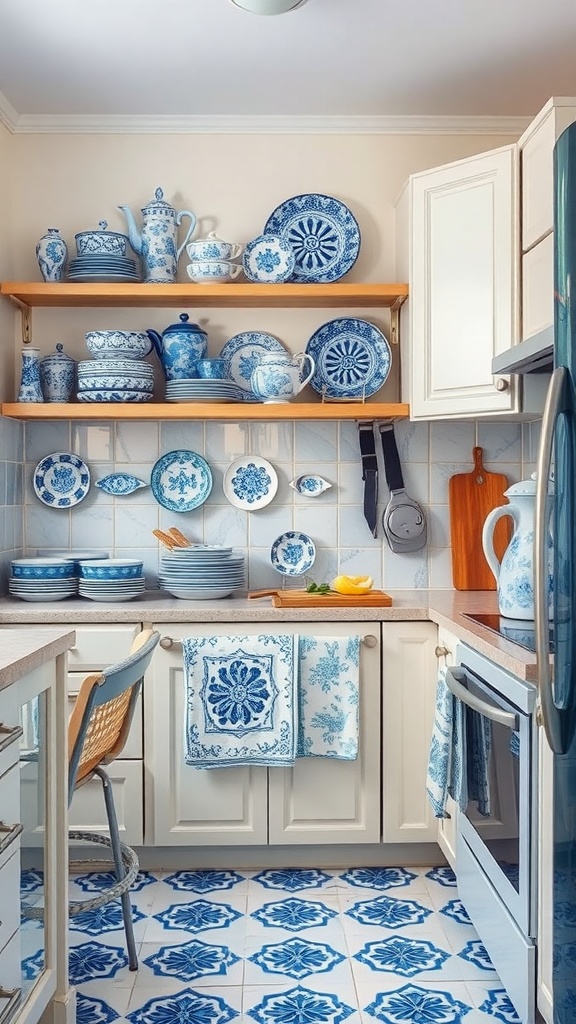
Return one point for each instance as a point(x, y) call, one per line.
point(447, 756)
point(240, 700)
point(329, 668)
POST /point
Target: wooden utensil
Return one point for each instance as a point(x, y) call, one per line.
point(165, 539)
point(179, 540)
point(472, 496)
point(302, 599)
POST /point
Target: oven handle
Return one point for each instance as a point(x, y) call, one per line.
point(498, 715)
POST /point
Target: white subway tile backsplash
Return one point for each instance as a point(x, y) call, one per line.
point(175, 434)
point(315, 443)
point(273, 441)
point(47, 528)
point(227, 441)
point(133, 525)
point(321, 524)
point(43, 438)
point(93, 442)
point(452, 441)
point(136, 443)
point(91, 526)
point(501, 442)
point(412, 441)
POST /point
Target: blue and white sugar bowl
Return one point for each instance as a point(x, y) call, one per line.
point(213, 248)
point(58, 376)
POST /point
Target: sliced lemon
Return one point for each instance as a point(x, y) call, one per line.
point(352, 584)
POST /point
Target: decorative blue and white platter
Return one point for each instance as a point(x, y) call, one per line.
point(293, 553)
point(323, 233)
point(250, 483)
point(242, 354)
point(269, 259)
point(61, 480)
point(120, 483)
point(181, 480)
point(352, 358)
point(310, 484)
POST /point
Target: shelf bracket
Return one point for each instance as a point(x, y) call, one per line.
point(395, 320)
point(26, 319)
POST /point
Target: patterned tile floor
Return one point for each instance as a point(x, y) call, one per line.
point(293, 946)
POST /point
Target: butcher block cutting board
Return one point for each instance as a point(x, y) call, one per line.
point(302, 599)
point(472, 496)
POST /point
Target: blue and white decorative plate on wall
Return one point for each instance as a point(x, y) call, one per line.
point(293, 553)
point(120, 483)
point(310, 484)
point(268, 259)
point(61, 480)
point(243, 353)
point(323, 234)
point(181, 480)
point(250, 483)
point(352, 358)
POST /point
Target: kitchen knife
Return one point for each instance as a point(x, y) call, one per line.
point(369, 473)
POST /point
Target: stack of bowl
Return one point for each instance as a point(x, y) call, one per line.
point(43, 579)
point(117, 372)
point(111, 579)
point(201, 572)
point(211, 260)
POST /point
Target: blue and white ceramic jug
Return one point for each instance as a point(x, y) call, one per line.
point(156, 243)
point(515, 573)
point(179, 348)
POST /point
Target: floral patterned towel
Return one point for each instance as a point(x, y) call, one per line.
point(240, 700)
point(445, 774)
point(329, 697)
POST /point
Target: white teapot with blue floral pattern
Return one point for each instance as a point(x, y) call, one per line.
point(515, 573)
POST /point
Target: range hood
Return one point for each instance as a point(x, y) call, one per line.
point(535, 355)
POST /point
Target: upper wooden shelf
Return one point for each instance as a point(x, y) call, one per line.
point(206, 411)
point(266, 296)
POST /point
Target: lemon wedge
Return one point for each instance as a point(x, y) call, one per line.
point(352, 584)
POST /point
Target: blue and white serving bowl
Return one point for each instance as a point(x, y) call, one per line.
point(42, 568)
point(111, 569)
point(118, 344)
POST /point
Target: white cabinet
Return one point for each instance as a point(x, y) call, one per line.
point(447, 826)
point(408, 699)
point(458, 235)
point(315, 801)
point(545, 877)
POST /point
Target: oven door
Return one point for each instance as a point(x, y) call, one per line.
point(496, 822)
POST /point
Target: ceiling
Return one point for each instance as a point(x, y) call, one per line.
point(349, 58)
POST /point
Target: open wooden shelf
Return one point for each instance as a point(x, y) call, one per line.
point(205, 411)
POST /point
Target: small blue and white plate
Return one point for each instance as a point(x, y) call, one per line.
point(352, 358)
point(310, 484)
point(181, 480)
point(293, 553)
point(323, 234)
point(120, 483)
point(243, 353)
point(250, 483)
point(61, 480)
point(268, 259)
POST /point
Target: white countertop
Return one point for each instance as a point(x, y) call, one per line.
point(23, 650)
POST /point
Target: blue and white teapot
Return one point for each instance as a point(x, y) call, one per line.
point(156, 243)
point(515, 573)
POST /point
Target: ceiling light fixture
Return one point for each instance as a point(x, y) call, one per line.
point(268, 6)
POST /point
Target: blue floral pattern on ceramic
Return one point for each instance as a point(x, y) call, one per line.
point(444, 876)
point(400, 955)
point(322, 232)
point(51, 253)
point(310, 485)
point(156, 243)
point(497, 1004)
point(388, 913)
point(352, 358)
point(103, 919)
point(300, 1004)
point(475, 953)
point(203, 881)
point(378, 878)
point(120, 483)
point(191, 960)
point(101, 242)
point(250, 483)
point(456, 910)
point(419, 1005)
point(293, 553)
point(181, 480)
point(192, 1007)
point(30, 384)
point(292, 879)
point(92, 960)
point(297, 958)
point(179, 347)
point(268, 259)
point(61, 480)
point(97, 880)
point(93, 1011)
point(244, 352)
point(198, 916)
point(57, 376)
point(294, 914)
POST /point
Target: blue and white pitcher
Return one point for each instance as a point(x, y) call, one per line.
point(156, 243)
point(515, 573)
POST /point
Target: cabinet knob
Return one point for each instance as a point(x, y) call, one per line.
point(441, 652)
point(502, 384)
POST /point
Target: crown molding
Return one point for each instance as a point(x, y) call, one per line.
point(264, 124)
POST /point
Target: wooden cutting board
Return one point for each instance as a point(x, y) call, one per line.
point(302, 599)
point(472, 496)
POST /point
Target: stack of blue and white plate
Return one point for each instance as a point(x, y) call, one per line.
point(42, 579)
point(111, 579)
point(115, 380)
point(104, 268)
point(201, 572)
point(206, 390)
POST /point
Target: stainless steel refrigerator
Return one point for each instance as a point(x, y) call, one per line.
point(557, 681)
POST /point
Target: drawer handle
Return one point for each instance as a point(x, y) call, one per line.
point(13, 995)
point(11, 832)
point(9, 735)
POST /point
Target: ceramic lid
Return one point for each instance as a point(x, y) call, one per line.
point(59, 356)
point(158, 203)
point(100, 230)
point(527, 488)
point(183, 327)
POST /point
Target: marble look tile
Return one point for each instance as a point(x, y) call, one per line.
point(225, 524)
point(349, 446)
point(452, 441)
point(501, 442)
point(361, 561)
point(319, 523)
point(2, 483)
point(440, 473)
point(44, 438)
point(406, 571)
point(315, 442)
point(136, 443)
point(133, 525)
point(92, 527)
point(531, 433)
point(273, 441)
point(227, 441)
point(47, 527)
point(93, 442)
point(440, 568)
point(186, 434)
point(354, 530)
point(438, 517)
point(350, 483)
point(412, 441)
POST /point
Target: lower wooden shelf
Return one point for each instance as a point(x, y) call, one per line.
point(206, 411)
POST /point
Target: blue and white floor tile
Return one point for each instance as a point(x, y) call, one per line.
point(365, 945)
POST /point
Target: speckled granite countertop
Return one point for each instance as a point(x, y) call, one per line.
point(22, 650)
point(447, 608)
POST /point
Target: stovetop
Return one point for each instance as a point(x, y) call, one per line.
point(519, 631)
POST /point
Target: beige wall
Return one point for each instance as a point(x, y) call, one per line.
point(7, 318)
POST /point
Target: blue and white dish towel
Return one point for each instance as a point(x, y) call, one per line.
point(329, 697)
point(447, 757)
point(240, 700)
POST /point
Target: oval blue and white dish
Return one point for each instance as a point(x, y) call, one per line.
point(120, 483)
point(181, 480)
point(250, 483)
point(323, 234)
point(268, 259)
point(293, 553)
point(61, 480)
point(352, 358)
point(310, 485)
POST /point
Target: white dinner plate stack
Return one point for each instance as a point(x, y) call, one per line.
point(202, 572)
point(112, 590)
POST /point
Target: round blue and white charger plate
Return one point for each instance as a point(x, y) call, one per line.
point(323, 233)
point(181, 480)
point(61, 480)
point(293, 553)
point(243, 353)
point(268, 259)
point(352, 357)
point(250, 483)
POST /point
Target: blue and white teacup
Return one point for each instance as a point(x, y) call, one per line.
point(213, 248)
point(212, 271)
point(278, 379)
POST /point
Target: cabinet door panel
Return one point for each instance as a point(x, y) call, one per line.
point(100, 645)
point(88, 811)
point(538, 288)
